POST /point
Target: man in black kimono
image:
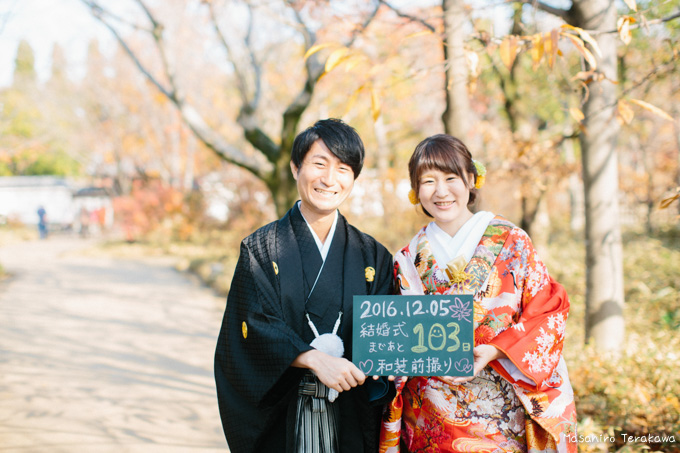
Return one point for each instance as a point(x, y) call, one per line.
point(295, 280)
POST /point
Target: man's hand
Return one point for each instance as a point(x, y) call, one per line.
point(336, 373)
point(484, 353)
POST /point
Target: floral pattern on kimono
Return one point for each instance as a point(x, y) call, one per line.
point(522, 403)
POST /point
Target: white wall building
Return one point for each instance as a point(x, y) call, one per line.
point(21, 196)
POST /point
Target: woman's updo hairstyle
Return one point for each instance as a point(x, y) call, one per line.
point(444, 153)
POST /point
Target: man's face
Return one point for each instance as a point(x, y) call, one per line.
point(323, 181)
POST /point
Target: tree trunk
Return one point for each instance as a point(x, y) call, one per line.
point(282, 185)
point(457, 112)
point(604, 254)
point(575, 187)
point(676, 129)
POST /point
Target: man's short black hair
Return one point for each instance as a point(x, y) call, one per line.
point(340, 138)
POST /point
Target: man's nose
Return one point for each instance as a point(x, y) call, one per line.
point(328, 177)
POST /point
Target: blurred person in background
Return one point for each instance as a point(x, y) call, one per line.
point(84, 218)
point(42, 222)
point(519, 398)
point(285, 380)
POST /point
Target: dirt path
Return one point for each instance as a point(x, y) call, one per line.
point(104, 355)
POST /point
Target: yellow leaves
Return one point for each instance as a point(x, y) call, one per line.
point(349, 59)
point(375, 104)
point(352, 100)
point(473, 63)
point(577, 114)
point(624, 112)
point(418, 34)
point(353, 61)
point(551, 46)
point(623, 27)
point(537, 50)
point(544, 45)
point(160, 98)
point(335, 58)
point(666, 202)
point(580, 46)
point(652, 108)
point(316, 48)
point(508, 50)
point(341, 55)
point(673, 401)
point(631, 4)
point(585, 37)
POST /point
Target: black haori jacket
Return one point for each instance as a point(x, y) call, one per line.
point(264, 330)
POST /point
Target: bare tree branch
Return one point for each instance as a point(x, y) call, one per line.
point(643, 24)
point(559, 12)
point(398, 12)
point(168, 67)
point(99, 13)
point(257, 69)
point(240, 76)
point(314, 68)
point(6, 16)
point(191, 116)
point(98, 9)
point(658, 72)
point(217, 144)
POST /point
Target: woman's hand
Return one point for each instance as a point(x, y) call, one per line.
point(389, 378)
point(483, 354)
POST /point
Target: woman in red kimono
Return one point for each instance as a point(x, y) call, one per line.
point(519, 398)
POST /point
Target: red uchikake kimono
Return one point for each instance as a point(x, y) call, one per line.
point(523, 403)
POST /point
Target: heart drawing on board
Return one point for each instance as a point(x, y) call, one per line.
point(366, 366)
point(463, 365)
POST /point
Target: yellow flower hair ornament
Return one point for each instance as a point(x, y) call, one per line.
point(481, 174)
point(412, 197)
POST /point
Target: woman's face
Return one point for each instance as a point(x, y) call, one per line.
point(445, 196)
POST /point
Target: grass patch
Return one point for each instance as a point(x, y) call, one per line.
point(637, 393)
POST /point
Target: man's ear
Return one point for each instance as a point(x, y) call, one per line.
point(294, 169)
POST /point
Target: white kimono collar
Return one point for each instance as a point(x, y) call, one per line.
point(464, 242)
point(324, 247)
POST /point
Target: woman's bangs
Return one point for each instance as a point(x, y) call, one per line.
point(439, 158)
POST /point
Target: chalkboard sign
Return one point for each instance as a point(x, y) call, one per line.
point(413, 335)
